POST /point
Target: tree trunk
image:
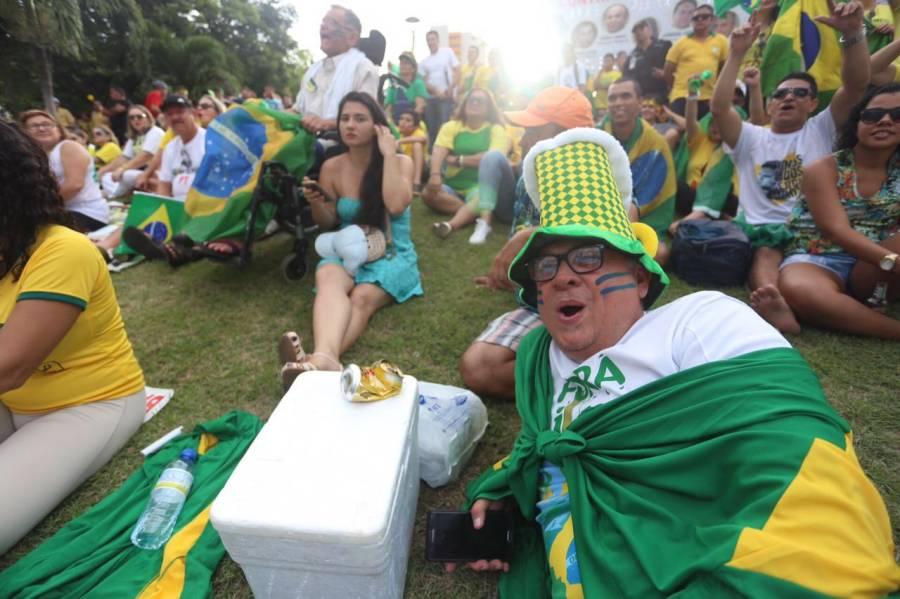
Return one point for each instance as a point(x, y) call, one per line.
point(46, 74)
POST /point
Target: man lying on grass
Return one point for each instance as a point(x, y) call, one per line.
point(687, 449)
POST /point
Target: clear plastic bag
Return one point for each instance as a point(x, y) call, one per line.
point(451, 422)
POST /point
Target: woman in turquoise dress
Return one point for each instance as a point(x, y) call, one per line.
point(368, 184)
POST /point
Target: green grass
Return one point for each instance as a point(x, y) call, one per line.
point(211, 331)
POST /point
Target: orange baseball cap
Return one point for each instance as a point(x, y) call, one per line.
point(562, 106)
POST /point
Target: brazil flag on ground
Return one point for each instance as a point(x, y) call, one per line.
point(237, 143)
point(734, 478)
point(92, 556)
point(158, 216)
point(798, 43)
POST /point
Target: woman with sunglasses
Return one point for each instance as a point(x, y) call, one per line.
point(73, 168)
point(468, 166)
point(105, 147)
point(71, 390)
point(846, 230)
point(208, 108)
point(144, 137)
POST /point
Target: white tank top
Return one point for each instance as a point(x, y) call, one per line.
point(89, 200)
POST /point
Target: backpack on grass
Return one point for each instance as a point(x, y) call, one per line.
point(711, 252)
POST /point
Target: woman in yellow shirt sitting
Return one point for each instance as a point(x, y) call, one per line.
point(105, 147)
point(71, 390)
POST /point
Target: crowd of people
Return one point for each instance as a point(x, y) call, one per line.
point(592, 179)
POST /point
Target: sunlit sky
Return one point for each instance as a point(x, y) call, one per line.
point(525, 30)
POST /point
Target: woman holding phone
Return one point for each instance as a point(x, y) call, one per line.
point(368, 184)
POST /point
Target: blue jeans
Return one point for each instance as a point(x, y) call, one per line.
point(496, 186)
point(839, 263)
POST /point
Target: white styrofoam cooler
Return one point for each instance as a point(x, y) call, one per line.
point(323, 502)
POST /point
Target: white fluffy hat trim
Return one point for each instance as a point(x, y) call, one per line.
point(618, 160)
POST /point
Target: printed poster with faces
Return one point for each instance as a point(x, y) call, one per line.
point(599, 27)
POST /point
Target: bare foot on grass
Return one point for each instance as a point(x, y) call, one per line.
point(771, 305)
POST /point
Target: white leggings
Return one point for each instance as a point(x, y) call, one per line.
point(44, 457)
point(117, 189)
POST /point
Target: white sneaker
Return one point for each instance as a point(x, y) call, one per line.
point(482, 230)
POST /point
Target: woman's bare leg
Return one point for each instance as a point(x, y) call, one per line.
point(817, 296)
point(464, 216)
point(331, 313)
point(365, 300)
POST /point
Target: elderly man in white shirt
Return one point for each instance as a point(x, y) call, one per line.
point(344, 69)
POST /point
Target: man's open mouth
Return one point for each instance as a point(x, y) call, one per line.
point(569, 310)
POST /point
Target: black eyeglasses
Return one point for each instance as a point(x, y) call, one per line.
point(799, 92)
point(581, 260)
point(702, 17)
point(870, 116)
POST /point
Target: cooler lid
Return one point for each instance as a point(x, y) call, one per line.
point(322, 469)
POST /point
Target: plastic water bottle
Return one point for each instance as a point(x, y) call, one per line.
point(156, 524)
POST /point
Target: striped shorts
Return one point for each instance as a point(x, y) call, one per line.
point(509, 329)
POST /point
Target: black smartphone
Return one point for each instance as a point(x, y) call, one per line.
point(452, 538)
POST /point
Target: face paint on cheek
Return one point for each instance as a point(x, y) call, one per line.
point(612, 289)
point(540, 298)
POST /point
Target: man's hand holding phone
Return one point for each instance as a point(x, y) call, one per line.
point(461, 544)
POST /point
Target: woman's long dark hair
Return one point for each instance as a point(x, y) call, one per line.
point(372, 210)
point(847, 137)
point(30, 199)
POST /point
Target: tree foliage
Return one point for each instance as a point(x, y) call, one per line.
point(196, 44)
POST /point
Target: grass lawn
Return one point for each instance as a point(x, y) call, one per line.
point(211, 331)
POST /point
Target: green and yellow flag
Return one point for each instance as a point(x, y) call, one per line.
point(799, 43)
point(734, 478)
point(92, 556)
point(237, 143)
point(158, 216)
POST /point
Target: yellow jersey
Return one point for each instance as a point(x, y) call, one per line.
point(94, 361)
point(691, 57)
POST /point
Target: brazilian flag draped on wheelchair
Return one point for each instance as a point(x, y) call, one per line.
point(238, 142)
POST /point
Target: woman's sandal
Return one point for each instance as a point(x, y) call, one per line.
point(175, 255)
point(290, 348)
point(291, 370)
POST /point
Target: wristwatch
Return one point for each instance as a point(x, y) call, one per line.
point(852, 39)
point(887, 262)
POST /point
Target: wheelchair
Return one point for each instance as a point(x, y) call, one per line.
point(277, 186)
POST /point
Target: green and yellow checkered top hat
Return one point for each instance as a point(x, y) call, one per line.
point(581, 182)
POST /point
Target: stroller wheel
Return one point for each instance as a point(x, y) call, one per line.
point(293, 267)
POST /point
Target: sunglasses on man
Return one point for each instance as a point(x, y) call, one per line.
point(701, 17)
point(870, 116)
point(799, 92)
point(582, 260)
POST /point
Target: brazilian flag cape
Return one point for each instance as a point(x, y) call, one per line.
point(798, 43)
point(237, 143)
point(92, 556)
point(652, 174)
point(734, 478)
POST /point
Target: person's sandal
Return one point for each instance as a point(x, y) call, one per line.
point(442, 229)
point(327, 357)
point(143, 244)
point(290, 348)
point(291, 370)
